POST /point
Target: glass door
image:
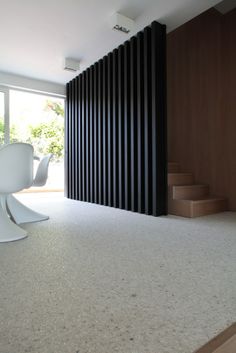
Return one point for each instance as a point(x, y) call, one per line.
point(39, 120)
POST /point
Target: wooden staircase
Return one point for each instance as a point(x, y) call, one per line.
point(187, 199)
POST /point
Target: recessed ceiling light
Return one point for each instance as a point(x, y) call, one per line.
point(121, 23)
point(72, 65)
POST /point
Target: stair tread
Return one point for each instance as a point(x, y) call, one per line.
point(190, 186)
point(180, 173)
point(189, 199)
point(205, 199)
point(198, 208)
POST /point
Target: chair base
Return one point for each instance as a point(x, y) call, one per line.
point(8, 230)
point(21, 213)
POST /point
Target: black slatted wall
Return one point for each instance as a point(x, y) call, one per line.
point(116, 127)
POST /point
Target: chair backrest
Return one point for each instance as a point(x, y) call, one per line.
point(16, 167)
point(42, 171)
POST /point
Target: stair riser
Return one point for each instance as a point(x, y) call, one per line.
point(190, 209)
point(208, 208)
point(179, 208)
point(173, 167)
point(180, 179)
point(190, 193)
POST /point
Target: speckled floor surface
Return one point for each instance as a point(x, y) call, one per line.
point(100, 280)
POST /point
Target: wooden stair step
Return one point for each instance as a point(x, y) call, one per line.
point(180, 179)
point(173, 167)
point(189, 192)
point(225, 342)
point(197, 208)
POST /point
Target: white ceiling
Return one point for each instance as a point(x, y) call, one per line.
point(36, 35)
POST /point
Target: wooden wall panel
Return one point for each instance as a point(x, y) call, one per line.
point(201, 95)
point(228, 109)
point(113, 155)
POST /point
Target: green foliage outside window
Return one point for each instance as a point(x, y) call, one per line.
point(46, 137)
point(13, 134)
point(1, 131)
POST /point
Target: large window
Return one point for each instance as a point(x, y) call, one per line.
point(39, 120)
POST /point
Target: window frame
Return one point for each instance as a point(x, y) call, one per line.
point(6, 117)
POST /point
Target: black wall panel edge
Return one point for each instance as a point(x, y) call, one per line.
point(116, 128)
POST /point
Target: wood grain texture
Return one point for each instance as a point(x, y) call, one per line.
point(190, 192)
point(201, 94)
point(197, 208)
point(219, 343)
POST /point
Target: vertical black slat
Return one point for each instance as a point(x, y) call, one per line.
point(109, 133)
point(163, 129)
point(73, 144)
point(133, 133)
point(80, 137)
point(133, 124)
point(127, 185)
point(96, 199)
point(121, 124)
point(140, 123)
point(87, 136)
point(161, 123)
point(91, 113)
point(70, 143)
point(159, 138)
point(83, 129)
point(76, 139)
point(73, 141)
point(100, 134)
point(147, 120)
point(67, 139)
point(115, 128)
point(104, 127)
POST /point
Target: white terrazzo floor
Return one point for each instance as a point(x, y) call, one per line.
point(95, 279)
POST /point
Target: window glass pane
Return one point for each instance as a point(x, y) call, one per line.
point(39, 120)
point(2, 118)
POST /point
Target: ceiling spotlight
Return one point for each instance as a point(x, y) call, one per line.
point(72, 65)
point(121, 23)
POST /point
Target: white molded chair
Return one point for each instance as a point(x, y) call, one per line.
point(16, 173)
point(42, 171)
point(21, 213)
